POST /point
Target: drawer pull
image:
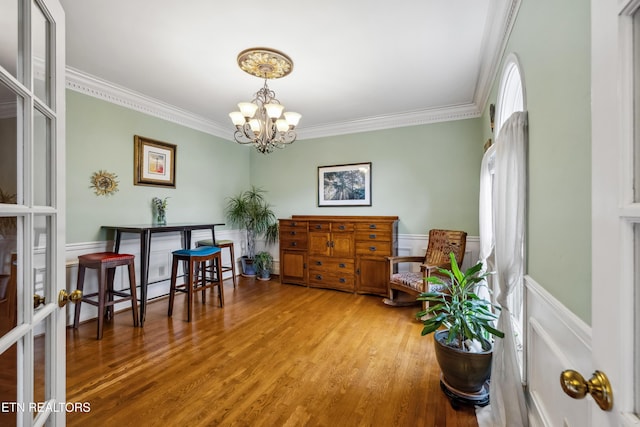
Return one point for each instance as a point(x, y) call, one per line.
point(293, 233)
point(343, 280)
point(372, 248)
point(318, 262)
point(342, 265)
point(294, 243)
point(372, 226)
point(318, 277)
point(341, 227)
point(328, 243)
point(293, 224)
point(372, 236)
point(318, 227)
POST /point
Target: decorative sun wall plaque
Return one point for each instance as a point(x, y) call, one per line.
point(104, 183)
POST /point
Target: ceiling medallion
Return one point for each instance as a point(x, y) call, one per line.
point(263, 121)
point(265, 62)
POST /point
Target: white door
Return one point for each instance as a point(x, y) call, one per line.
point(32, 207)
point(615, 73)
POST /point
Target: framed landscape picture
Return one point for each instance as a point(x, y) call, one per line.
point(344, 185)
point(154, 162)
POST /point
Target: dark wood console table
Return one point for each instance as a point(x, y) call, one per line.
point(145, 231)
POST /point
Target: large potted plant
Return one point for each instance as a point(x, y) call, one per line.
point(464, 349)
point(250, 211)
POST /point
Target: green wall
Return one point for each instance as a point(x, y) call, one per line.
point(552, 41)
point(100, 137)
point(427, 175)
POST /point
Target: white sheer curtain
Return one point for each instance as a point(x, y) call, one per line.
point(508, 407)
point(485, 213)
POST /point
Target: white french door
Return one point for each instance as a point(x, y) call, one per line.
point(32, 206)
point(615, 94)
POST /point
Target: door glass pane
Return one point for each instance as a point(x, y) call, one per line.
point(9, 103)
point(9, 36)
point(39, 366)
point(8, 389)
point(636, 103)
point(41, 159)
point(41, 65)
point(42, 285)
point(636, 299)
point(8, 274)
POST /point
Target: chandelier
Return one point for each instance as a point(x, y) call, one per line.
point(263, 121)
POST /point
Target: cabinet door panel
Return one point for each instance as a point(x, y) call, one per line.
point(373, 276)
point(294, 267)
point(343, 245)
point(320, 244)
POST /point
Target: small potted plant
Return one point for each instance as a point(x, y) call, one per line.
point(250, 211)
point(160, 208)
point(264, 265)
point(464, 349)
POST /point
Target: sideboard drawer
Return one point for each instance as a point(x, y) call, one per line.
point(373, 235)
point(373, 248)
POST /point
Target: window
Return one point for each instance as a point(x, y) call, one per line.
point(511, 99)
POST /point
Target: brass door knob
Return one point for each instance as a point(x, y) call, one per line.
point(598, 386)
point(37, 300)
point(64, 297)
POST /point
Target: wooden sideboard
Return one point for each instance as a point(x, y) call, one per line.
point(348, 253)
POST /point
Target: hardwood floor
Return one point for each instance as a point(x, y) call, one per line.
point(275, 355)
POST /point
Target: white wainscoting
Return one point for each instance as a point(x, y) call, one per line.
point(556, 340)
point(159, 264)
point(160, 260)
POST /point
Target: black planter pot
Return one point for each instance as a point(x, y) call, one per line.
point(463, 372)
point(248, 267)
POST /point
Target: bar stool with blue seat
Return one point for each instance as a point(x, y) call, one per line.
point(106, 263)
point(196, 277)
point(222, 244)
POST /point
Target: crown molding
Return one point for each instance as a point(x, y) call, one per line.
point(87, 84)
point(413, 118)
point(500, 22)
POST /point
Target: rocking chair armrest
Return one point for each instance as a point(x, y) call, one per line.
point(394, 260)
point(432, 268)
point(398, 259)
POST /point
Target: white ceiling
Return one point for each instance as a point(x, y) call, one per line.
point(358, 64)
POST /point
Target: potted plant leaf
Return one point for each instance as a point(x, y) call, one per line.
point(464, 349)
point(250, 211)
point(264, 265)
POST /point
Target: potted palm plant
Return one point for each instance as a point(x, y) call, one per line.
point(464, 349)
point(250, 211)
point(264, 265)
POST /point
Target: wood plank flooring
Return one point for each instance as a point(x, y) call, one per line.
point(275, 355)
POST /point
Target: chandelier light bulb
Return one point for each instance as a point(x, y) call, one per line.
point(274, 111)
point(292, 118)
point(248, 109)
point(237, 118)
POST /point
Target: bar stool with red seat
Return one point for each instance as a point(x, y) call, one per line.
point(196, 277)
point(106, 263)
